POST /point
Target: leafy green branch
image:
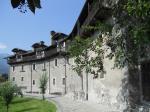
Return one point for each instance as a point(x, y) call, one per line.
point(23, 4)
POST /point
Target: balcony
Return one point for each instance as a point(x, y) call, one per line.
point(51, 52)
point(48, 53)
point(24, 59)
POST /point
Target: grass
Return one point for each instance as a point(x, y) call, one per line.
point(28, 105)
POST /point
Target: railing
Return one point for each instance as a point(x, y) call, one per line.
point(27, 58)
point(48, 53)
point(51, 52)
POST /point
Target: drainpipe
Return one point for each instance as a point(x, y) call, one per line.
point(31, 78)
point(49, 78)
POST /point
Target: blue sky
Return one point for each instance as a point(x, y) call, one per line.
point(18, 30)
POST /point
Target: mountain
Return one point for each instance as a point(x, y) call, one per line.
point(4, 67)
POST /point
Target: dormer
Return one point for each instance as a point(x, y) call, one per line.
point(39, 46)
point(39, 49)
point(18, 53)
point(57, 38)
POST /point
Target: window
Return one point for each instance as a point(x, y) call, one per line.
point(55, 62)
point(40, 54)
point(102, 75)
point(13, 68)
point(22, 78)
point(22, 68)
point(53, 81)
point(13, 79)
point(33, 82)
point(19, 57)
point(34, 67)
point(145, 76)
point(64, 81)
point(44, 66)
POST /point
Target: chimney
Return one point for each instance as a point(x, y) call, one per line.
point(42, 42)
point(52, 34)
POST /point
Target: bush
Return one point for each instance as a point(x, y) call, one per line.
point(7, 91)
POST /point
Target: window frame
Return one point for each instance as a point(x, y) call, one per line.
point(54, 81)
point(102, 76)
point(22, 79)
point(34, 66)
point(33, 82)
point(13, 68)
point(63, 81)
point(13, 79)
point(56, 62)
point(44, 66)
point(22, 68)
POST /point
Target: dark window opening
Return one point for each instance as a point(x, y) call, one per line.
point(33, 66)
point(19, 57)
point(55, 62)
point(33, 82)
point(22, 68)
point(63, 81)
point(13, 68)
point(40, 54)
point(22, 78)
point(145, 74)
point(13, 79)
point(53, 81)
point(44, 66)
point(102, 75)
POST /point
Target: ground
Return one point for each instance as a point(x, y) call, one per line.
point(67, 104)
point(29, 105)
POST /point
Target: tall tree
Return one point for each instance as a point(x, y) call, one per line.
point(43, 84)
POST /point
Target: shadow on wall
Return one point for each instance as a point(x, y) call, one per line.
point(122, 97)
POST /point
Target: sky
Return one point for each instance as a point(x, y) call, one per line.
point(19, 30)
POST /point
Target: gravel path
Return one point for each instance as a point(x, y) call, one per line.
point(65, 104)
point(69, 105)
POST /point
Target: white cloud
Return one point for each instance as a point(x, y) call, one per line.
point(2, 46)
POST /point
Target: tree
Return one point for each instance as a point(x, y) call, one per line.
point(132, 47)
point(43, 84)
point(23, 4)
point(80, 50)
point(7, 92)
point(128, 39)
point(2, 79)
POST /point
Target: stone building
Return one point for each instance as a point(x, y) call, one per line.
point(113, 89)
